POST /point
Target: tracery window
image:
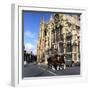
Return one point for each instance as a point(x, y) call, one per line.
point(69, 48)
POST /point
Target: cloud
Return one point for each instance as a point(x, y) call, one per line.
point(35, 41)
point(35, 51)
point(29, 47)
point(30, 41)
point(29, 34)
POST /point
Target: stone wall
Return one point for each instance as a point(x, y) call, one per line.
point(61, 33)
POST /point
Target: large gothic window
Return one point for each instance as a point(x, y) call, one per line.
point(57, 35)
point(69, 48)
point(69, 57)
point(61, 37)
point(45, 32)
point(53, 36)
point(61, 47)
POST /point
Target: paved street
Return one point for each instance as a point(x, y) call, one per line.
point(32, 70)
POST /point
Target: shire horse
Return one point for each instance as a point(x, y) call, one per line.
point(56, 62)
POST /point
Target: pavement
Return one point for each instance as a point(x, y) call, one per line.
point(34, 70)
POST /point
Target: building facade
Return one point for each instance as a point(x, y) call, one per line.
point(60, 35)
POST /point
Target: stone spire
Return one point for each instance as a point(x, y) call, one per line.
point(42, 20)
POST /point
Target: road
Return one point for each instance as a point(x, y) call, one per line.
point(32, 70)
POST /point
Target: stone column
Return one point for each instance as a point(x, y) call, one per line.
point(77, 51)
point(58, 48)
point(73, 40)
point(72, 47)
point(55, 37)
point(64, 45)
point(46, 57)
point(72, 56)
point(50, 38)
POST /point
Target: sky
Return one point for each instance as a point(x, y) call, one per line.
point(31, 21)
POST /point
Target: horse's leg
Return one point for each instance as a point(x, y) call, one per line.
point(53, 68)
point(64, 67)
point(60, 68)
point(57, 67)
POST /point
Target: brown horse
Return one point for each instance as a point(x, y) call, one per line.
point(56, 62)
point(61, 62)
